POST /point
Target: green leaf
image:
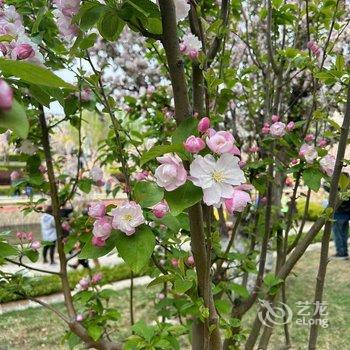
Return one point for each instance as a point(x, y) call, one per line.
point(40, 95)
point(89, 14)
point(159, 150)
point(183, 197)
point(223, 306)
point(140, 328)
point(136, 249)
point(31, 254)
point(240, 290)
point(147, 194)
point(182, 286)
point(110, 25)
point(161, 279)
point(85, 185)
point(90, 251)
point(95, 331)
point(16, 120)
point(33, 74)
point(7, 250)
point(187, 128)
point(312, 178)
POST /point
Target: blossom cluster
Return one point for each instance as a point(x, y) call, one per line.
point(86, 282)
point(21, 47)
point(66, 10)
point(218, 173)
point(277, 128)
point(125, 218)
point(28, 238)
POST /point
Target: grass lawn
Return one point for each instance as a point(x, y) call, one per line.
point(39, 329)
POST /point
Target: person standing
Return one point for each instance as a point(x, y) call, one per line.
point(49, 234)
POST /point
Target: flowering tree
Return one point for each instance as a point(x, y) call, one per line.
point(252, 89)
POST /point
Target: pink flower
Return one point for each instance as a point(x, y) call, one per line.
point(294, 161)
point(84, 283)
point(21, 235)
point(191, 45)
point(80, 318)
point(242, 164)
point(288, 182)
point(15, 175)
point(265, 129)
point(171, 174)
point(35, 245)
point(6, 96)
point(85, 94)
point(22, 52)
point(102, 228)
point(311, 45)
point(278, 129)
point(308, 152)
point(238, 201)
point(190, 260)
point(290, 126)
point(275, 118)
point(65, 225)
point(174, 262)
point(322, 143)
point(327, 164)
point(30, 236)
point(97, 210)
point(42, 169)
point(221, 142)
point(194, 144)
point(253, 149)
point(150, 89)
point(160, 209)
point(142, 175)
point(309, 137)
point(96, 174)
point(98, 242)
point(96, 278)
point(127, 217)
point(193, 54)
point(204, 125)
point(161, 296)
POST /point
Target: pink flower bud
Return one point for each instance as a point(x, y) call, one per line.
point(309, 137)
point(15, 175)
point(161, 296)
point(96, 278)
point(322, 143)
point(80, 318)
point(21, 235)
point(35, 245)
point(183, 47)
point(190, 261)
point(42, 169)
point(30, 236)
point(141, 175)
point(265, 130)
point(275, 118)
point(160, 209)
point(310, 44)
point(6, 96)
point(253, 149)
point(65, 226)
point(150, 89)
point(290, 126)
point(97, 210)
point(288, 182)
point(22, 52)
point(193, 54)
point(84, 283)
point(98, 242)
point(204, 125)
point(174, 262)
point(242, 164)
point(294, 161)
point(194, 144)
point(3, 49)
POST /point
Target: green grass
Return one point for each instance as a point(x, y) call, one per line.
point(314, 212)
point(39, 329)
point(46, 285)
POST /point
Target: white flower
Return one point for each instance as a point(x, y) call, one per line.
point(327, 164)
point(190, 43)
point(182, 9)
point(27, 147)
point(96, 174)
point(309, 152)
point(216, 178)
point(127, 217)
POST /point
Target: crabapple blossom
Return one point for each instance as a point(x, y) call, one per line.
point(275, 118)
point(265, 129)
point(161, 296)
point(191, 45)
point(216, 177)
point(315, 49)
point(182, 8)
point(27, 147)
point(288, 182)
point(253, 149)
point(96, 174)
point(127, 217)
point(194, 144)
point(309, 137)
point(322, 143)
point(80, 318)
point(96, 278)
point(290, 126)
point(294, 161)
point(6, 96)
point(190, 260)
point(327, 164)
point(220, 142)
point(102, 228)
point(308, 152)
point(175, 262)
point(35, 245)
point(22, 51)
point(204, 125)
point(239, 199)
point(160, 209)
point(278, 129)
point(15, 175)
point(97, 210)
point(171, 174)
point(142, 175)
point(98, 242)
point(84, 283)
